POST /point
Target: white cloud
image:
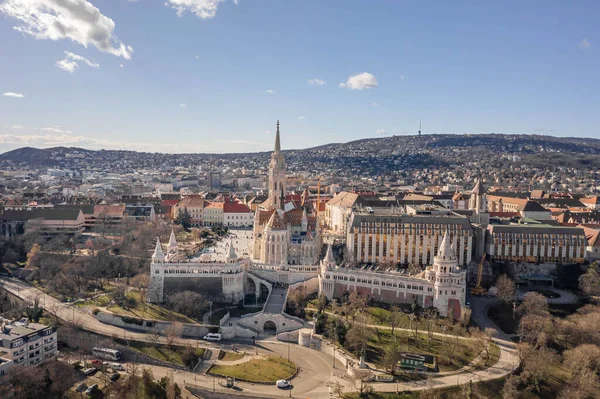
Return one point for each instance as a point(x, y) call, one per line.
point(381, 131)
point(268, 132)
point(67, 65)
point(70, 64)
point(301, 117)
point(16, 127)
point(360, 82)
point(121, 65)
point(56, 130)
point(316, 82)
point(270, 91)
point(585, 44)
point(183, 105)
point(205, 9)
point(374, 104)
point(78, 20)
point(197, 57)
point(12, 94)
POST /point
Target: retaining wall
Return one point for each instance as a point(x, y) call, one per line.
point(189, 330)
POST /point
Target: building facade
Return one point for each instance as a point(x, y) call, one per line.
point(26, 344)
point(536, 244)
point(406, 239)
point(442, 285)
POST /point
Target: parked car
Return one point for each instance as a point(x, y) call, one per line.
point(213, 337)
point(115, 376)
point(90, 371)
point(117, 366)
point(96, 363)
point(81, 387)
point(283, 384)
point(91, 389)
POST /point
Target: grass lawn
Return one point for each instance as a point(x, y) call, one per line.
point(234, 312)
point(150, 311)
point(231, 356)
point(268, 369)
point(494, 357)
point(163, 352)
point(464, 352)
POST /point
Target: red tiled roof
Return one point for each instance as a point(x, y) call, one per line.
point(235, 207)
point(170, 202)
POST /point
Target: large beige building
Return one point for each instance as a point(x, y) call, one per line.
point(385, 237)
point(536, 244)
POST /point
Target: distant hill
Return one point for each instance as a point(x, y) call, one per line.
point(406, 151)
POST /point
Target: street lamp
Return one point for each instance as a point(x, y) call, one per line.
point(514, 309)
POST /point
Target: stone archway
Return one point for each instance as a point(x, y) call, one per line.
point(270, 328)
point(263, 293)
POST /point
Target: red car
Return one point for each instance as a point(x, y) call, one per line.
point(96, 363)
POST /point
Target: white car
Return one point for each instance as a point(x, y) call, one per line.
point(213, 337)
point(283, 384)
point(117, 366)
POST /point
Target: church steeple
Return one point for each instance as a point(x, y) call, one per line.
point(277, 140)
point(277, 179)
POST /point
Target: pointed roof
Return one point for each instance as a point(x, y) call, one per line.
point(446, 252)
point(277, 140)
point(329, 258)
point(275, 222)
point(158, 252)
point(172, 241)
point(304, 216)
point(478, 189)
point(231, 254)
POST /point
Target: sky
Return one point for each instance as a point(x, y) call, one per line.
point(216, 75)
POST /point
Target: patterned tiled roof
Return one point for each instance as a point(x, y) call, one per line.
point(276, 223)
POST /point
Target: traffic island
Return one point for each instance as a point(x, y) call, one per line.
point(258, 369)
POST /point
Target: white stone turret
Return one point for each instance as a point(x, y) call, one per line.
point(158, 255)
point(449, 281)
point(231, 256)
point(173, 246)
point(329, 259)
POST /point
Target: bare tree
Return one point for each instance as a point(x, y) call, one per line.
point(154, 335)
point(483, 340)
point(506, 288)
point(590, 281)
point(536, 365)
point(534, 303)
point(465, 316)
point(430, 315)
point(141, 282)
point(394, 317)
point(33, 257)
point(359, 334)
point(172, 332)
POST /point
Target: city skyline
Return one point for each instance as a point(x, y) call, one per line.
point(214, 76)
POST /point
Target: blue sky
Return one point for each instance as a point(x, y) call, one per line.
point(165, 76)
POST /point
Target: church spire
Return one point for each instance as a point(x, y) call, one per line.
point(277, 140)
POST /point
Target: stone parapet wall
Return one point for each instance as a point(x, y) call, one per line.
point(189, 330)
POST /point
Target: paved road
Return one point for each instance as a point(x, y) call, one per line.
point(316, 366)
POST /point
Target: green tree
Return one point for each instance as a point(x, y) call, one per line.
point(184, 219)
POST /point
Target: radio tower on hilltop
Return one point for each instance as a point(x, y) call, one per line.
point(419, 126)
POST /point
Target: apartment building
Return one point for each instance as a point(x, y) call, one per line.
point(25, 344)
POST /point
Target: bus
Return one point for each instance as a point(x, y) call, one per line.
point(108, 354)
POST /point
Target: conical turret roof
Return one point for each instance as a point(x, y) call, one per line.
point(172, 241)
point(446, 252)
point(329, 258)
point(158, 252)
point(231, 255)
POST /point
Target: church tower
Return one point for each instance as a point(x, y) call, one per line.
point(276, 174)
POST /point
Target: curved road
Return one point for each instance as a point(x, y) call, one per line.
point(317, 373)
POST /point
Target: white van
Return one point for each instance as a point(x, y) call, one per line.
point(213, 337)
